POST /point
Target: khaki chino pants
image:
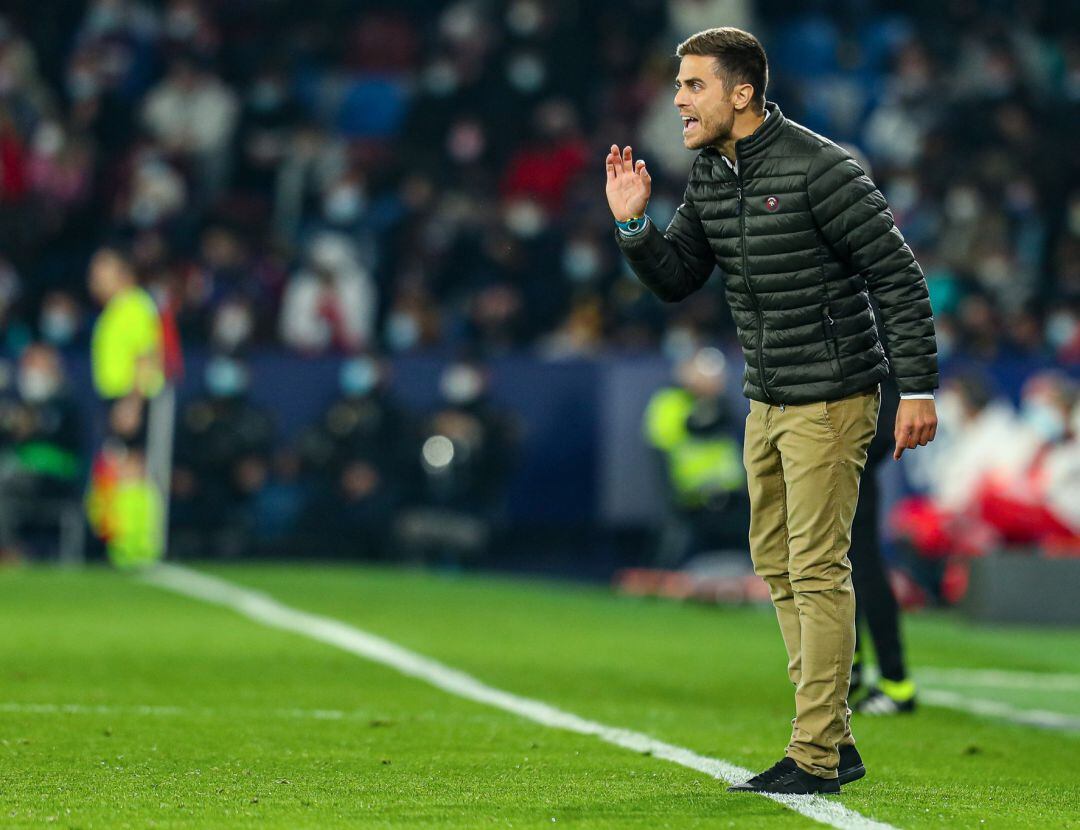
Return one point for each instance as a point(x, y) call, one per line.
point(803, 465)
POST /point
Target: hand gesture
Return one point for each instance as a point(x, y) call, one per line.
point(916, 425)
point(628, 185)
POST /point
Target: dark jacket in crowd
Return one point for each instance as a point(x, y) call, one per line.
point(801, 235)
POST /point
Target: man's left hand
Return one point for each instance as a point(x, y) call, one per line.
point(916, 424)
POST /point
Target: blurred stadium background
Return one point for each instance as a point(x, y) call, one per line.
point(392, 324)
point(372, 224)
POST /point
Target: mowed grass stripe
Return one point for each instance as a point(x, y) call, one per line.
point(713, 678)
point(270, 612)
point(417, 758)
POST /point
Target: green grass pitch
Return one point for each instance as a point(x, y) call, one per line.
point(122, 705)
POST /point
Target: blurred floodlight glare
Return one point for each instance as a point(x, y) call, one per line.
point(438, 452)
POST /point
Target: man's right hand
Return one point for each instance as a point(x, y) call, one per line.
point(628, 185)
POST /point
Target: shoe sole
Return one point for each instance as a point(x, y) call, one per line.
point(850, 774)
point(831, 787)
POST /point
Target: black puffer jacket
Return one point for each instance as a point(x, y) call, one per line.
point(801, 235)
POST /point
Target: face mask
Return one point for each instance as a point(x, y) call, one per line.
point(524, 17)
point(36, 386)
point(525, 219)
point(48, 139)
point(266, 96)
point(82, 85)
point(962, 204)
point(903, 195)
point(581, 261)
point(1045, 420)
point(461, 385)
point(526, 73)
point(232, 327)
point(343, 205)
point(102, 19)
point(441, 79)
point(466, 142)
point(359, 377)
point(402, 331)
point(225, 378)
point(1061, 328)
point(679, 343)
point(182, 23)
point(58, 327)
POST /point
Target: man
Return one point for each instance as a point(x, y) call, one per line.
point(693, 430)
point(40, 467)
point(224, 445)
point(126, 356)
point(875, 604)
point(801, 236)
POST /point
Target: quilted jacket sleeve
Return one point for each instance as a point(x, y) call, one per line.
point(857, 224)
point(673, 264)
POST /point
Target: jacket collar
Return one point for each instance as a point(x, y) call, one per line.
point(766, 133)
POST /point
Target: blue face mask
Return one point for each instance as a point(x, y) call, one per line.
point(358, 377)
point(225, 378)
point(1044, 420)
point(58, 327)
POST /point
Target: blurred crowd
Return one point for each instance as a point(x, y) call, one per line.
point(346, 177)
point(368, 179)
point(368, 474)
point(995, 477)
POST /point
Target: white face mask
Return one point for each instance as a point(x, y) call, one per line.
point(581, 261)
point(1045, 420)
point(36, 386)
point(461, 385)
point(1061, 328)
point(232, 326)
point(344, 204)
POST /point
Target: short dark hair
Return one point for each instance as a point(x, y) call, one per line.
point(740, 58)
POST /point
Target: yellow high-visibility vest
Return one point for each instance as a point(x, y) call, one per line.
point(126, 348)
point(698, 466)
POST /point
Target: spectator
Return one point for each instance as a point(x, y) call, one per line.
point(463, 456)
point(692, 429)
point(192, 114)
point(223, 452)
point(330, 305)
point(358, 454)
point(40, 449)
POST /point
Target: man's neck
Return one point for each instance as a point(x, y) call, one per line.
point(745, 124)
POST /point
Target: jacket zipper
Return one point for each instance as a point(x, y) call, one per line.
point(753, 297)
point(830, 332)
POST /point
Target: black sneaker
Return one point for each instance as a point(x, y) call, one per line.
point(785, 776)
point(851, 765)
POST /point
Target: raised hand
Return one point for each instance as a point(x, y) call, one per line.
point(628, 185)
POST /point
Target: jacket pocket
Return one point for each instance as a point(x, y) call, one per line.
point(832, 344)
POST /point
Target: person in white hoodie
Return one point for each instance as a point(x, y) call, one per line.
point(330, 305)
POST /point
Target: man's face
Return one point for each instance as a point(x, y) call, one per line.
point(704, 103)
point(105, 276)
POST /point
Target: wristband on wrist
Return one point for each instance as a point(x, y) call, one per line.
point(632, 226)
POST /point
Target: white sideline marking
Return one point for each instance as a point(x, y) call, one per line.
point(1000, 679)
point(993, 708)
point(270, 612)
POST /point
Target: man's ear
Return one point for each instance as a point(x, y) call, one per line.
point(742, 96)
